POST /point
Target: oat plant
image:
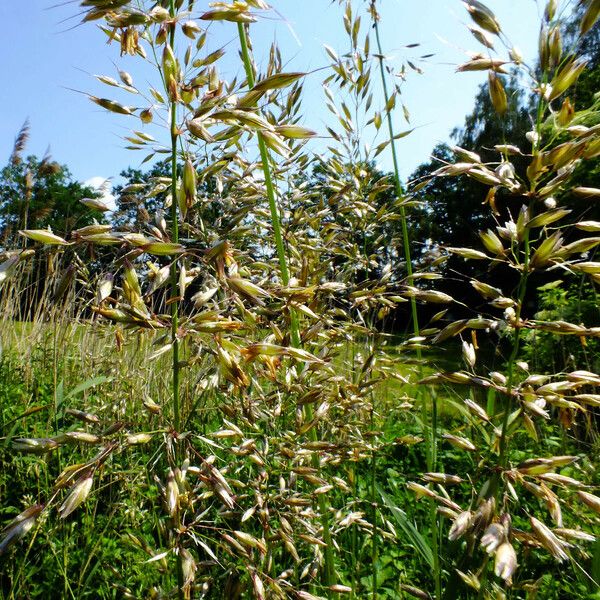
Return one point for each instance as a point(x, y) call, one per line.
point(242, 419)
point(516, 502)
point(240, 338)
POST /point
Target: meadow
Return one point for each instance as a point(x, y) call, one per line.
point(261, 385)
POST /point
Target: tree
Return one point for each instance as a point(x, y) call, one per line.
point(40, 193)
point(135, 208)
point(453, 210)
point(587, 46)
point(356, 203)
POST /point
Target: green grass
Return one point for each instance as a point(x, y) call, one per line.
point(102, 551)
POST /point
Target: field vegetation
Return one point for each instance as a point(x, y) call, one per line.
point(275, 371)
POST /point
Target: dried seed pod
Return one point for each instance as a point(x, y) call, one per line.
point(483, 16)
point(537, 466)
point(505, 562)
point(516, 55)
point(146, 115)
point(482, 37)
point(340, 589)
point(459, 442)
point(554, 47)
point(476, 410)
point(421, 490)
point(45, 236)
point(493, 537)
point(78, 494)
point(277, 81)
point(191, 29)
point(82, 415)
point(188, 567)
point(575, 534)
point(590, 500)
point(34, 445)
point(159, 14)
point(590, 16)
point(442, 478)
point(550, 10)
point(295, 132)
point(170, 69)
point(112, 106)
point(483, 64)
point(555, 546)
point(80, 437)
point(497, 93)
point(470, 579)
point(468, 353)
point(492, 242)
point(19, 526)
point(235, 15)
point(586, 192)
point(251, 541)
point(566, 76)
point(189, 184)
point(138, 438)
point(197, 127)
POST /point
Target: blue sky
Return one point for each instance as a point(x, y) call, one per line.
point(46, 52)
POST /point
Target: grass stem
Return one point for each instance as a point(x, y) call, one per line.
point(432, 446)
point(329, 573)
point(175, 237)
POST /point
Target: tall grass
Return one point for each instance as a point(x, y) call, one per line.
point(223, 400)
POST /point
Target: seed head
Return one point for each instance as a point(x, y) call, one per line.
point(550, 10)
point(516, 55)
point(469, 355)
point(191, 29)
point(460, 526)
point(146, 116)
point(497, 93)
point(170, 68)
point(483, 16)
point(79, 493)
point(19, 526)
point(494, 536)
point(592, 501)
point(506, 562)
point(554, 545)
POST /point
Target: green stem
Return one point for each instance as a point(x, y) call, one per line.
point(175, 236)
point(398, 188)
point(517, 333)
point(174, 280)
point(329, 575)
point(432, 446)
point(374, 514)
point(515, 352)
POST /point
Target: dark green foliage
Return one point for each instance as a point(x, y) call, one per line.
point(454, 209)
point(574, 302)
point(36, 194)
